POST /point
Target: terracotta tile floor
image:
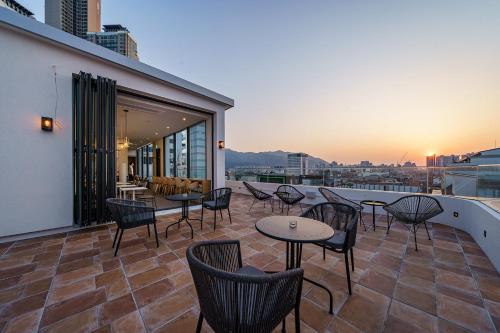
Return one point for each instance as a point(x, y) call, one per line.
point(72, 282)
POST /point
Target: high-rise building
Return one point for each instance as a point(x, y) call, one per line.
point(117, 38)
point(298, 164)
point(16, 6)
point(445, 160)
point(431, 161)
point(76, 17)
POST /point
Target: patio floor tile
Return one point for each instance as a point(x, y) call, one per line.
point(464, 314)
point(72, 282)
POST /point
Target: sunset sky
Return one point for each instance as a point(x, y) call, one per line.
point(341, 80)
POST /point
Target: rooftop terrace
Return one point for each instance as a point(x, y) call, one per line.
point(71, 282)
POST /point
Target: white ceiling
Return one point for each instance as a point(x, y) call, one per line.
point(148, 121)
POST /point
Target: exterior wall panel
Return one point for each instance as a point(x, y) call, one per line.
point(36, 167)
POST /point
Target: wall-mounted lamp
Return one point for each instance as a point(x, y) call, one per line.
point(47, 124)
point(221, 144)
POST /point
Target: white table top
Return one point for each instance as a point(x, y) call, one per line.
point(123, 189)
point(126, 185)
point(123, 183)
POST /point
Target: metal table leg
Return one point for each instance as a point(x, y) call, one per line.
point(184, 217)
point(293, 260)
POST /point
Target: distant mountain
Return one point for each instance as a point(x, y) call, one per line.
point(268, 158)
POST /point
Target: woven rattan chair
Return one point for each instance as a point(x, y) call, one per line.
point(413, 210)
point(258, 195)
point(130, 214)
point(331, 196)
point(342, 218)
point(216, 200)
point(236, 298)
point(289, 196)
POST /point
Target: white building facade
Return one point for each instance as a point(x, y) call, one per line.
point(40, 67)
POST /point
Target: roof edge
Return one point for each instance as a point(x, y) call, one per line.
point(46, 31)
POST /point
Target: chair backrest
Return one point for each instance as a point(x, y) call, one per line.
point(288, 189)
point(337, 215)
point(255, 192)
point(331, 196)
point(414, 208)
point(130, 213)
point(221, 196)
point(289, 194)
point(232, 302)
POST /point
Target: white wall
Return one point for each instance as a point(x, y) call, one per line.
point(36, 166)
point(474, 217)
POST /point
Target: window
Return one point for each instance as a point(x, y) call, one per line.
point(186, 153)
point(144, 162)
point(169, 148)
point(181, 156)
point(197, 151)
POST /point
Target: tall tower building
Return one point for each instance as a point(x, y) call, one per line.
point(76, 17)
point(17, 7)
point(117, 38)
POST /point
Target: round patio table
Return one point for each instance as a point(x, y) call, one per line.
point(373, 203)
point(305, 231)
point(184, 198)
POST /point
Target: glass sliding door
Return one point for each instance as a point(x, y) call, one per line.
point(144, 162)
point(197, 151)
point(169, 143)
point(138, 155)
point(150, 161)
point(181, 156)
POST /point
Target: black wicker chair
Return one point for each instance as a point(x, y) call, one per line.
point(289, 196)
point(413, 210)
point(331, 196)
point(258, 195)
point(342, 218)
point(130, 214)
point(216, 200)
point(236, 298)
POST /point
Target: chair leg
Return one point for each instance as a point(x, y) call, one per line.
point(324, 253)
point(389, 223)
point(361, 222)
point(297, 318)
point(200, 322)
point(119, 240)
point(283, 325)
point(301, 210)
point(215, 218)
point(346, 259)
point(149, 232)
point(425, 225)
point(415, 235)
point(201, 220)
point(229, 213)
point(116, 234)
point(156, 234)
point(221, 217)
point(352, 259)
point(251, 206)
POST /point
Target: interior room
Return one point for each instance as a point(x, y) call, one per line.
point(163, 147)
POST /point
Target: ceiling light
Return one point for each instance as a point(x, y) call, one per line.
point(184, 118)
point(168, 127)
point(156, 133)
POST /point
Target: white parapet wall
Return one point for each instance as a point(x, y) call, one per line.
point(471, 216)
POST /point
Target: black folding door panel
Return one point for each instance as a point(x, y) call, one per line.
point(94, 110)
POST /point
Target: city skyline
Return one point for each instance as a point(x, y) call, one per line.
point(341, 81)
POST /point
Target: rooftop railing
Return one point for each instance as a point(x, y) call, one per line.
point(481, 181)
